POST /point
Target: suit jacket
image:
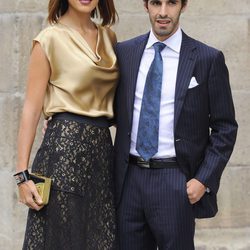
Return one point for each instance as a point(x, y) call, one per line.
point(204, 119)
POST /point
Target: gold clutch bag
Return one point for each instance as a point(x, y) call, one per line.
point(43, 185)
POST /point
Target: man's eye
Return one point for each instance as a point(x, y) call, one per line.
point(172, 2)
point(155, 3)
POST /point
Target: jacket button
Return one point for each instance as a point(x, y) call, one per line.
point(129, 133)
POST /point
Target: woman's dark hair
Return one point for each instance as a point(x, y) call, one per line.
point(106, 10)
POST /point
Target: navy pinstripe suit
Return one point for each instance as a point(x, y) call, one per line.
point(204, 130)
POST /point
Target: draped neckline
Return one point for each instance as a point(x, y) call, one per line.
point(94, 55)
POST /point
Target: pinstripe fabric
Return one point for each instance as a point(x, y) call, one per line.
point(133, 60)
point(155, 211)
point(186, 66)
point(129, 64)
point(204, 121)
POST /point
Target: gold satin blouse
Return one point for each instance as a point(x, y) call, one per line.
point(81, 81)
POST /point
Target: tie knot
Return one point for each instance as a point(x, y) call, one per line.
point(159, 46)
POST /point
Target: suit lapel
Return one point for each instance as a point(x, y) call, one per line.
point(184, 74)
point(133, 64)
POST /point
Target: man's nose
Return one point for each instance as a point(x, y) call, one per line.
point(163, 10)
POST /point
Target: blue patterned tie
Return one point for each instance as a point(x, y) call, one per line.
point(148, 129)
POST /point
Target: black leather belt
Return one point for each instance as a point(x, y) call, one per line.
point(153, 163)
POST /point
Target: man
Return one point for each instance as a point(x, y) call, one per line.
point(176, 130)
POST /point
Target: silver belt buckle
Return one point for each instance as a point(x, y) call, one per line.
point(145, 164)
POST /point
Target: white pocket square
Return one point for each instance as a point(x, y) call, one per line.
point(193, 83)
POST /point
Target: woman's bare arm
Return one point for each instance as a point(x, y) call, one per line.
point(38, 77)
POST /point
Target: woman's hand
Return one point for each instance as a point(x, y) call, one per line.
point(29, 196)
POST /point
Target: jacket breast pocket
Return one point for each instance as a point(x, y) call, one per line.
point(196, 96)
point(196, 88)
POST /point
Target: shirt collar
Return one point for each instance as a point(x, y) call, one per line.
point(173, 42)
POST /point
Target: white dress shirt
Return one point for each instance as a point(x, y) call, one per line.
point(170, 55)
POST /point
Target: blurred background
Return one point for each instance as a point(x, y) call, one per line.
point(224, 24)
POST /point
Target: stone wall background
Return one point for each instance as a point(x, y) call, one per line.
point(223, 24)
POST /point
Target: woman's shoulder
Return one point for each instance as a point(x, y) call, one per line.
point(48, 38)
point(51, 31)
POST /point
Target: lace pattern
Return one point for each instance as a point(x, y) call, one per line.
point(80, 213)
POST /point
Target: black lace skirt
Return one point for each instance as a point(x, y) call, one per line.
point(77, 155)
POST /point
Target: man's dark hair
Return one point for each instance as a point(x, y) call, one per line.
point(183, 2)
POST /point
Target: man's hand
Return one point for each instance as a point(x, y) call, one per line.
point(45, 125)
point(195, 190)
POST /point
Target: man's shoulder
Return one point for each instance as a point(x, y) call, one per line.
point(200, 46)
point(132, 41)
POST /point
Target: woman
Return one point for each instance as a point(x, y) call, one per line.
point(72, 76)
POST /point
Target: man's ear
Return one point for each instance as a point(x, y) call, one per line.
point(145, 6)
point(184, 7)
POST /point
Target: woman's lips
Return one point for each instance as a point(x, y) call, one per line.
point(85, 1)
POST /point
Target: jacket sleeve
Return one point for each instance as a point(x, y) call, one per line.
point(222, 123)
